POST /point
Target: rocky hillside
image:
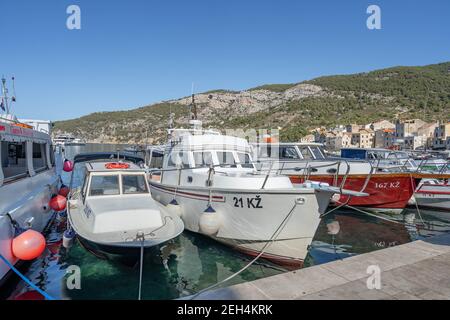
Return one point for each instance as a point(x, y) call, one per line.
point(399, 92)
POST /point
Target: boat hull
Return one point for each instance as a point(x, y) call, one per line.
point(24, 200)
point(433, 197)
point(247, 225)
point(387, 192)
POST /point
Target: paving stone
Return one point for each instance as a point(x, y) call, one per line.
point(417, 270)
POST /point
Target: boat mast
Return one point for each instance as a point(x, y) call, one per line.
point(5, 94)
point(193, 105)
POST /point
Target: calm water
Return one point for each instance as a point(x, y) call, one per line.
point(193, 262)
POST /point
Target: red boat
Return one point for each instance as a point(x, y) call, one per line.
point(388, 191)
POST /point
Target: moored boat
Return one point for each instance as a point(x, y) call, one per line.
point(113, 212)
point(389, 191)
point(28, 179)
point(211, 181)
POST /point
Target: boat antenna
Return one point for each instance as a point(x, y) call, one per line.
point(193, 105)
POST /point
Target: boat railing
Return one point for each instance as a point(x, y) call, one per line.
point(441, 167)
point(307, 170)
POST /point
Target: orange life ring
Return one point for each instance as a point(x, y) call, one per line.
point(117, 165)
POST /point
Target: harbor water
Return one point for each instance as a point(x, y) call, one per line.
point(193, 262)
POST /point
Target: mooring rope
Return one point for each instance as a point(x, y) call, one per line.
point(141, 263)
point(24, 278)
point(272, 239)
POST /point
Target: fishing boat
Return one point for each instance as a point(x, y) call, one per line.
point(28, 178)
point(112, 212)
point(210, 180)
point(389, 190)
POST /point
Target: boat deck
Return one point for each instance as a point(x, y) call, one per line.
point(416, 270)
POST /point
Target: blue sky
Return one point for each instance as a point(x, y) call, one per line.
point(133, 53)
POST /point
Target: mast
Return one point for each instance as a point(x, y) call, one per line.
point(193, 106)
point(5, 94)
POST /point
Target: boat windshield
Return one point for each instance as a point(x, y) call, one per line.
point(134, 184)
point(226, 159)
point(244, 160)
point(106, 185)
point(203, 158)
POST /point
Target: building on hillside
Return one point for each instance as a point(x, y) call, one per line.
point(353, 128)
point(414, 142)
point(333, 140)
point(384, 138)
point(366, 138)
point(346, 140)
point(380, 125)
point(408, 127)
point(427, 133)
point(441, 134)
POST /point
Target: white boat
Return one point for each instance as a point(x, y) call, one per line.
point(113, 211)
point(67, 140)
point(28, 178)
point(211, 181)
point(434, 195)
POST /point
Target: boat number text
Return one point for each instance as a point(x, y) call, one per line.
point(387, 185)
point(248, 202)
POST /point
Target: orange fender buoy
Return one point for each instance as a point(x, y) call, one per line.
point(28, 245)
point(58, 203)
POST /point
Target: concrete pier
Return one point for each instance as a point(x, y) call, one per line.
point(416, 270)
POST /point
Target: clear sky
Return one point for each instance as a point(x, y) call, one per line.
point(136, 52)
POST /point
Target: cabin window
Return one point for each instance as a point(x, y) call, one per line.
point(39, 162)
point(14, 160)
point(288, 153)
point(244, 160)
point(317, 152)
point(52, 155)
point(178, 159)
point(203, 159)
point(156, 161)
point(226, 158)
point(306, 154)
point(134, 184)
point(104, 186)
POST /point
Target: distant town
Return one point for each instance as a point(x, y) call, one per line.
point(413, 134)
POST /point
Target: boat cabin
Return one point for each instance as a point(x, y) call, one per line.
point(381, 157)
point(113, 179)
point(289, 151)
point(202, 151)
point(24, 152)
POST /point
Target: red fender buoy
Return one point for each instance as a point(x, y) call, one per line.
point(64, 191)
point(58, 203)
point(28, 245)
point(68, 166)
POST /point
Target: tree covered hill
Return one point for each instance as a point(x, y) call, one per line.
point(393, 93)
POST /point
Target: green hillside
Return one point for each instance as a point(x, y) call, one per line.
point(399, 92)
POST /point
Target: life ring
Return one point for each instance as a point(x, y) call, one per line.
point(117, 165)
